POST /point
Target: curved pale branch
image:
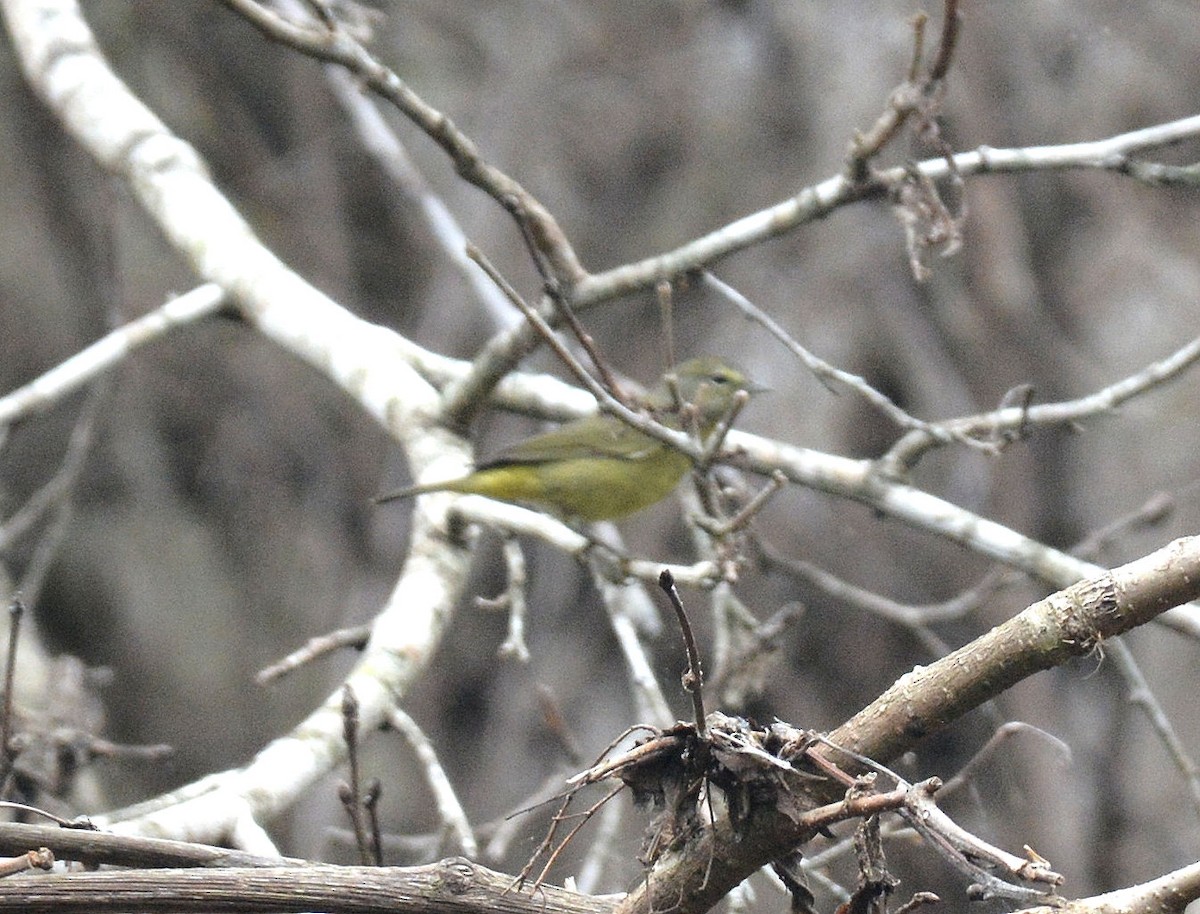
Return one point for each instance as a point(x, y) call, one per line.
point(64, 65)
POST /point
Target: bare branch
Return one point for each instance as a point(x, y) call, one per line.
point(454, 886)
point(819, 200)
point(693, 678)
point(448, 805)
point(513, 600)
point(39, 395)
point(354, 636)
point(1014, 419)
point(1169, 894)
point(337, 46)
point(1142, 697)
point(1067, 624)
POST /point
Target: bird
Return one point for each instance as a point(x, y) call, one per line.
point(600, 467)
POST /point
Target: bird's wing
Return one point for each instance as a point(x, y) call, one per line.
point(595, 436)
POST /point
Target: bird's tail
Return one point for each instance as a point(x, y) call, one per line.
point(412, 491)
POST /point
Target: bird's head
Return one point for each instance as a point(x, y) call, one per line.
point(709, 384)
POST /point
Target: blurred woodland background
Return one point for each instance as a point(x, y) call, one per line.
point(222, 513)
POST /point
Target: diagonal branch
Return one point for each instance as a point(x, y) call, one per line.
point(1115, 154)
point(1070, 623)
point(338, 46)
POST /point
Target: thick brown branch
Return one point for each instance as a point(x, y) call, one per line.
point(453, 886)
point(1067, 624)
point(99, 847)
point(1070, 623)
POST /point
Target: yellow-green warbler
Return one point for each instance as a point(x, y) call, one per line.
point(598, 467)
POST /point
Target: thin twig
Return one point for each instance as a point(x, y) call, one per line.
point(16, 610)
point(901, 613)
point(715, 442)
point(666, 318)
point(40, 859)
point(739, 521)
point(829, 375)
point(42, 393)
point(547, 841)
point(917, 94)
point(450, 810)
point(514, 600)
point(738, 670)
point(965, 850)
point(57, 490)
point(381, 142)
point(562, 306)
point(1001, 735)
point(600, 849)
point(1142, 697)
point(603, 392)
point(370, 805)
point(53, 499)
point(556, 723)
point(1153, 512)
point(353, 636)
point(351, 794)
point(341, 48)
point(951, 19)
point(693, 679)
point(584, 818)
point(647, 692)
